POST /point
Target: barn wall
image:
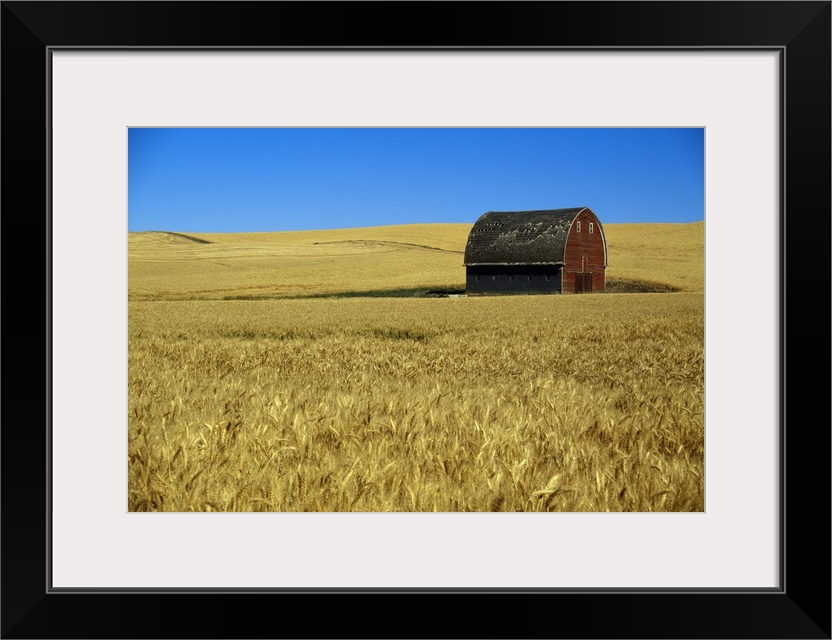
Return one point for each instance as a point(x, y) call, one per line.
point(513, 279)
point(584, 254)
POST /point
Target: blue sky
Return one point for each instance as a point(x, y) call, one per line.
point(227, 180)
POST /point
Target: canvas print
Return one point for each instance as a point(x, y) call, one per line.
point(416, 320)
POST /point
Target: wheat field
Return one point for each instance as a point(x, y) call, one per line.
point(258, 383)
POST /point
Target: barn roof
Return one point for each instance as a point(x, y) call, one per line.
point(520, 237)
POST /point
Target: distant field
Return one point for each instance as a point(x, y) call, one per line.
point(509, 403)
point(216, 266)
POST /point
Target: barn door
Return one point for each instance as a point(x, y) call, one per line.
point(587, 282)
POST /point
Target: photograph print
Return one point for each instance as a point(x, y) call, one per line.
point(416, 320)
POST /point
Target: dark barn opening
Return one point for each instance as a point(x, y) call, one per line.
point(545, 251)
point(513, 278)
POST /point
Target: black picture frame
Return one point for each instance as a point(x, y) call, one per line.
point(799, 608)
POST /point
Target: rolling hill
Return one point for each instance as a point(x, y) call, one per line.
point(171, 265)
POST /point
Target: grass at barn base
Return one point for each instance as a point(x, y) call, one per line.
point(413, 403)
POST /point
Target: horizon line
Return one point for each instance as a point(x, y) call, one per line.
point(372, 226)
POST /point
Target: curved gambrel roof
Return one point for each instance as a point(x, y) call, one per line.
point(521, 237)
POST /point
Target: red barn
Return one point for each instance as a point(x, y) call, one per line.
point(547, 251)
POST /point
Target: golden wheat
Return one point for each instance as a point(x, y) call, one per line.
point(516, 403)
point(578, 403)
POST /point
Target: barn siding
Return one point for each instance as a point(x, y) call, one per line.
point(585, 253)
point(513, 279)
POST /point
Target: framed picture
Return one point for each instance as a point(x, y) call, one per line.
point(77, 76)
